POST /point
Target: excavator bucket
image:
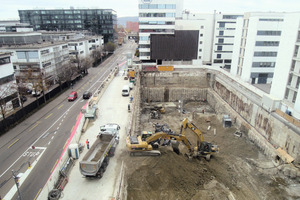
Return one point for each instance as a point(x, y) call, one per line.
point(175, 146)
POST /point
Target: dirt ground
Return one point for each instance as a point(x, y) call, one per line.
point(238, 171)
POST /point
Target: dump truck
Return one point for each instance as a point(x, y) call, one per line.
point(96, 160)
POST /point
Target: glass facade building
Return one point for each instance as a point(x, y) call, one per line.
point(98, 21)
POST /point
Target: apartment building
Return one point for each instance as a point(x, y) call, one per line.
point(223, 41)
point(258, 43)
point(38, 63)
point(286, 80)
point(156, 17)
point(98, 21)
point(14, 26)
point(8, 86)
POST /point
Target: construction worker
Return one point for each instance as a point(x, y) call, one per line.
point(87, 143)
point(131, 99)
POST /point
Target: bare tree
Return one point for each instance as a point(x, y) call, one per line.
point(8, 94)
point(66, 72)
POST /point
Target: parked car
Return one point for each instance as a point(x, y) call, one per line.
point(29, 91)
point(23, 98)
point(86, 95)
point(72, 96)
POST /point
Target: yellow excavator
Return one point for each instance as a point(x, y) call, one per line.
point(147, 143)
point(203, 149)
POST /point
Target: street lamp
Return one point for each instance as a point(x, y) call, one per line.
point(17, 180)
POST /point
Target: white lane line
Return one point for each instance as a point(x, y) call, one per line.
point(55, 132)
point(49, 143)
point(52, 137)
point(36, 140)
point(57, 128)
point(13, 190)
point(59, 124)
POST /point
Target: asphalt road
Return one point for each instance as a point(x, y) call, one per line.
point(48, 131)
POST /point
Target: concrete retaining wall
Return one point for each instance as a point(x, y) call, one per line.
point(226, 96)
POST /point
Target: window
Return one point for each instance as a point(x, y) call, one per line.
point(80, 43)
point(64, 46)
point(222, 24)
point(267, 43)
point(273, 20)
point(294, 97)
point(221, 40)
point(219, 48)
point(201, 42)
point(227, 61)
point(263, 64)
point(269, 33)
point(218, 61)
point(199, 57)
point(45, 64)
point(44, 51)
point(218, 55)
point(200, 50)
point(221, 32)
point(81, 52)
point(4, 60)
point(265, 54)
point(201, 35)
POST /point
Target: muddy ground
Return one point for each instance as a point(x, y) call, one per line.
point(238, 171)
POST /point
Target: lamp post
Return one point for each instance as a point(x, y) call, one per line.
point(17, 180)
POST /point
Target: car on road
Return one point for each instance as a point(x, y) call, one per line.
point(72, 96)
point(86, 95)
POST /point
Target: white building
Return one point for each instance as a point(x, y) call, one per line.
point(204, 24)
point(223, 44)
point(259, 39)
point(8, 87)
point(156, 17)
point(286, 80)
point(38, 64)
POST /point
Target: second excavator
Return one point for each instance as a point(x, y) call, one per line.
point(147, 143)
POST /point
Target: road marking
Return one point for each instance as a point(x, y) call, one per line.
point(66, 143)
point(55, 132)
point(37, 123)
point(57, 128)
point(60, 106)
point(48, 116)
point(37, 194)
point(40, 148)
point(54, 166)
point(59, 124)
point(49, 143)
point(13, 143)
point(37, 140)
point(52, 137)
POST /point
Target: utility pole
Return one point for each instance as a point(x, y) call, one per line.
point(17, 179)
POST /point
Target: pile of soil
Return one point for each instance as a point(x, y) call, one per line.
point(238, 171)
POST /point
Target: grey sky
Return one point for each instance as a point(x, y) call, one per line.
point(9, 8)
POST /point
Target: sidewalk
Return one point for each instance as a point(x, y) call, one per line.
point(112, 108)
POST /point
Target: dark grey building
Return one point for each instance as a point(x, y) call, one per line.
point(183, 45)
point(98, 21)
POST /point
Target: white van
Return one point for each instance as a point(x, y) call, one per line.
point(125, 90)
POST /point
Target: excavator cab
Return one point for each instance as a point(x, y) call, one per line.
point(145, 135)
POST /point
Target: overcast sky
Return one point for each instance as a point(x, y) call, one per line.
point(9, 8)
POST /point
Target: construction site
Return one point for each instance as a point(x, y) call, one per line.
point(254, 148)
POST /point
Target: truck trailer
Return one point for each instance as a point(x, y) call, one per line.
point(96, 160)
